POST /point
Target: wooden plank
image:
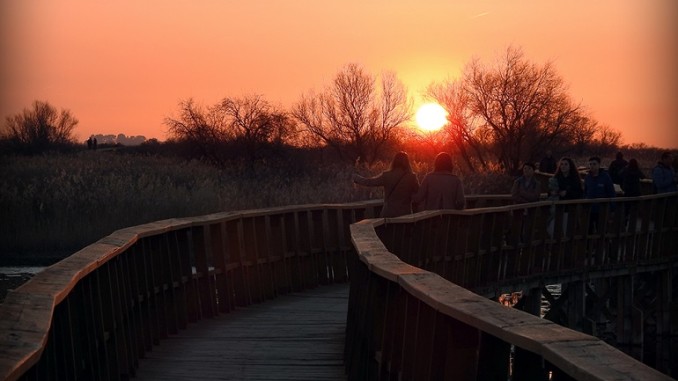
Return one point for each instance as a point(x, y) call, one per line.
point(299, 336)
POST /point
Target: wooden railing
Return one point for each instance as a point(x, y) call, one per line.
point(483, 249)
point(96, 313)
point(408, 323)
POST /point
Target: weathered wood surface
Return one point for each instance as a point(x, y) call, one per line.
point(299, 336)
point(413, 324)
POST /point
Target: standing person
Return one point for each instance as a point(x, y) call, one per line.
point(597, 184)
point(441, 189)
point(568, 180)
point(547, 163)
point(399, 183)
point(616, 166)
point(526, 188)
point(663, 175)
point(631, 176)
point(564, 185)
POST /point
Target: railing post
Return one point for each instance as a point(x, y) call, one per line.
point(494, 358)
point(207, 298)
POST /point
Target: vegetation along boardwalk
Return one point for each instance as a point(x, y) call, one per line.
point(299, 336)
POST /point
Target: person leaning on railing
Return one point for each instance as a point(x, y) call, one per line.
point(526, 187)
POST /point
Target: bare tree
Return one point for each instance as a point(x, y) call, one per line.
point(524, 106)
point(255, 122)
point(608, 138)
point(249, 123)
point(40, 128)
point(462, 129)
point(204, 130)
point(353, 115)
point(516, 109)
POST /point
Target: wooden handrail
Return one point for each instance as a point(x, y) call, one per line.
point(398, 311)
point(95, 313)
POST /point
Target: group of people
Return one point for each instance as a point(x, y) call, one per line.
point(92, 143)
point(626, 174)
point(442, 189)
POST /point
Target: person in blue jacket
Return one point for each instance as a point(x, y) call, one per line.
point(663, 175)
point(597, 184)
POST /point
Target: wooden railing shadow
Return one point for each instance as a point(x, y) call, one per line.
point(410, 318)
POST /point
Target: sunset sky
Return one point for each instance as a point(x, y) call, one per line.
point(123, 66)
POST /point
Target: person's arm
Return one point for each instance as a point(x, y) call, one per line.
point(515, 191)
point(609, 188)
point(534, 192)
point(369, 181)
point(576, 190)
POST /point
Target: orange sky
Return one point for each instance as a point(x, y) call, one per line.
point(123, 66)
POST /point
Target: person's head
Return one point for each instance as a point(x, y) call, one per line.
point(633, 164)
point(549, 153)
point(401, 160)
point(619, 156)
point(594, 164)
point(566, 166)
point(443, 162)
point(528, 169)
point(667, 158)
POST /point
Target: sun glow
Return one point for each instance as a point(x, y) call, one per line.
point(431, 117)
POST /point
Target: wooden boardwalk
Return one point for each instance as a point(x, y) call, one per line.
point(299, 336)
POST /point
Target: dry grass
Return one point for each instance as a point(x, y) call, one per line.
point(55, 205)
point(58, 204)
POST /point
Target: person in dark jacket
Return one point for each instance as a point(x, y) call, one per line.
point(616, 166)
point(631, 176)
point(597, 184)
point(663, 175)
point(441, 189)
point(569, 181)
point(564, 185)
point(526, 188)
point(548, 163)
point(399, 183)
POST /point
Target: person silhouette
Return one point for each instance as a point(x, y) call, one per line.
point(399, 183)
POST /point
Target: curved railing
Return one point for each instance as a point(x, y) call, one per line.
point(407, 323)
point(94, 314)
point(486, 248)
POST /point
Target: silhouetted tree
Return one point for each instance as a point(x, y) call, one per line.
point(234, 125)
point(40, 128)
point(205, 131)
point(518, 107)
point(462, 128)
point(354, 115)
point(254, 122)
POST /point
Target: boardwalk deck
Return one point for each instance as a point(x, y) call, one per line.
point(293, 337)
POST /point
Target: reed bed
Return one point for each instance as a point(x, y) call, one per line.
point(54, 205)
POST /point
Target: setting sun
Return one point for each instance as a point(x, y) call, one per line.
point(431, 117)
